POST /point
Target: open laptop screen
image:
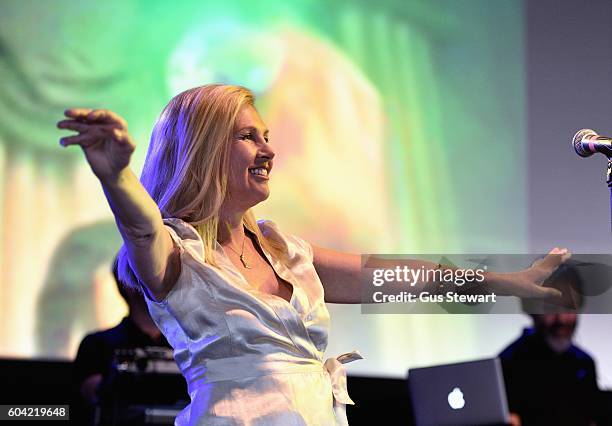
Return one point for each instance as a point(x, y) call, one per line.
point(467, 393)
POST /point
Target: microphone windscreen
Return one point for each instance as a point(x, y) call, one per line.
point(581, 138)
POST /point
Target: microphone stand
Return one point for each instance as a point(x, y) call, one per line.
point(609, 182)
point(587, 142)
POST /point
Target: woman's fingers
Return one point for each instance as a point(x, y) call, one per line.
point(84, 139)
point(80, 126)
point(565, 257)
point(91, 116)
point(77, 113)
point(558, 250)
point(543, 268)
point(91, 135)
point(554, 258)
point(96, 134)
point(103, 137)
point(105, 116)
point(77, 126)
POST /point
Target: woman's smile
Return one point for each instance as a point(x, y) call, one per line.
point(259, 172)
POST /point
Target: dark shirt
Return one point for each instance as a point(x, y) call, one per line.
point(97, 350)
point(549, 388)
point(96, 355)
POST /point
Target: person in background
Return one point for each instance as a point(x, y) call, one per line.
point(550, 380)
point(95, 356)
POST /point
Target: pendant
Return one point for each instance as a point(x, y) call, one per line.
point(246, 265)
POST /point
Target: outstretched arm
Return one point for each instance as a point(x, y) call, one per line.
point(108, 148)
point(341, 275)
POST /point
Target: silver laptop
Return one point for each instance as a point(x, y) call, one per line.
point(462, 394)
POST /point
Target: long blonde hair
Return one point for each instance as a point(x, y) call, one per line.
point(187, 163)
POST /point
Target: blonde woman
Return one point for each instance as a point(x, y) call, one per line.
point(241, 302)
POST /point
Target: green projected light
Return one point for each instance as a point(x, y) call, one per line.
point(398, 127)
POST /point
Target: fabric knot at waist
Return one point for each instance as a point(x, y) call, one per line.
point(247, 366)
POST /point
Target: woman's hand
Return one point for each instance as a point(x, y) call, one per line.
point(528, 283)
point(103, 137)
point(108, 147)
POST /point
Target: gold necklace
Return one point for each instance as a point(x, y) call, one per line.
point(241, 254)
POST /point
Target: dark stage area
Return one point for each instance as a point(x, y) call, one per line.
point(49, 382)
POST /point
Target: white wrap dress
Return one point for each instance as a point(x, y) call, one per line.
point(251, 358)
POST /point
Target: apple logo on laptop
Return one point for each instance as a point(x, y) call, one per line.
point(455, 399)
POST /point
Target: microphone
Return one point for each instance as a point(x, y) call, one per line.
point(587, 142)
